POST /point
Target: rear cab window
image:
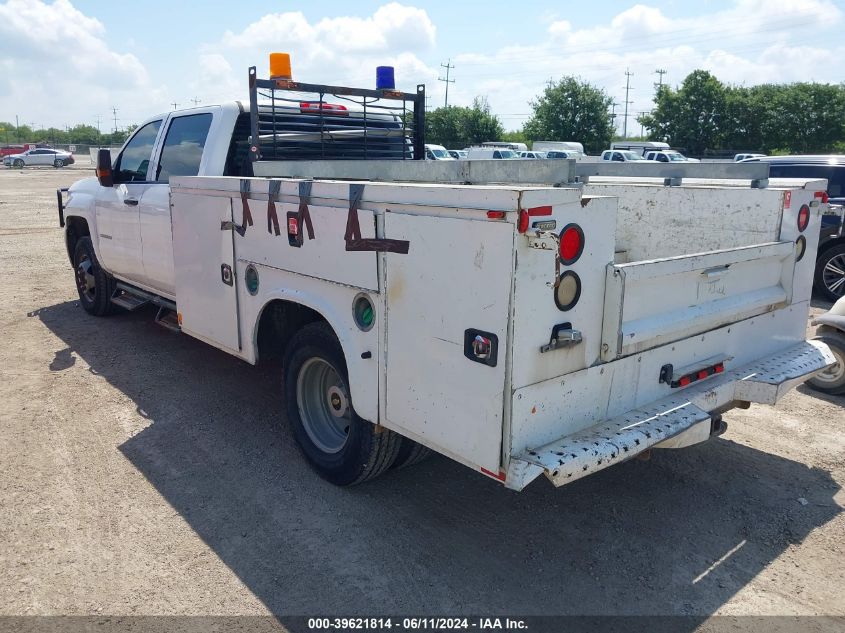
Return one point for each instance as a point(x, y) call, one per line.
point(183, 146)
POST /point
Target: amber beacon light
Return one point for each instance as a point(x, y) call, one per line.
point(280, 66)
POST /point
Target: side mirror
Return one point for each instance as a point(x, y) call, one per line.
point(104, 172)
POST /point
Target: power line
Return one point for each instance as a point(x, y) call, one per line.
point(448, 66)
point(628, 75)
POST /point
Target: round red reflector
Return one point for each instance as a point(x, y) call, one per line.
point(803, 217)
point(571, 244)
point(522, 224)
point(702, 374)
point(684, 381)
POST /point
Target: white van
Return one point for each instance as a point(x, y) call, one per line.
point(437, 152)
point(486, 153)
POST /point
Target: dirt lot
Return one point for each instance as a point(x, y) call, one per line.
point(143, 472)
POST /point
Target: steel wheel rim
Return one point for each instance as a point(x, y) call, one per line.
point(85, 279)
point(834, 373)
point(833, 275)
point(323, 404)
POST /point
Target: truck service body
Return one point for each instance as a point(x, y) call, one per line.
point(518, 319)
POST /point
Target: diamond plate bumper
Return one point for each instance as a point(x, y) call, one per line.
point(612, 441)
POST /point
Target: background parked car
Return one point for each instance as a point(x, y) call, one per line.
point(458, 154)
point(739, 157)
point(39, 156)
point(558, 153)
point(669, 156)
point(622, 156)
point(830, 260)
point(530, 154)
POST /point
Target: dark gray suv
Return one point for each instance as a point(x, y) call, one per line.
point(830, 260)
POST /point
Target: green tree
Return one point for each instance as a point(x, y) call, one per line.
point(457, 127)
point(691, 117)
point(572, 110)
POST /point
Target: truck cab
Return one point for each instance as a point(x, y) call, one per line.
point(129, 222)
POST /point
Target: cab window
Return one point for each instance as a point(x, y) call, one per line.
point(132, 164)
point(183, 145)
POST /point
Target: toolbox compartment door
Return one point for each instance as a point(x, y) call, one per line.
point(455, 277)
point(204, 265)
point(654, 302)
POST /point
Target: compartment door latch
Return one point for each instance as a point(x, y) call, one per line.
point(562, 336)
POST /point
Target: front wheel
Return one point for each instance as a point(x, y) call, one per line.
point(832, 379)
point(94, 285)
point(830, 272)
point(343, 448)
point(58, 163)
point(18, 162)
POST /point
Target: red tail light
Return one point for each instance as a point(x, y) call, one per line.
point(823, 196)
point(803, 217)
point(293, 226)
point(316, 107)
point(571, 244)
point(522, 225)
point(496, 215)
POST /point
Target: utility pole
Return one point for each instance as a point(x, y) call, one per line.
point(98, 130)
point(195, 101)
point(613, 105)
point(114, 111)
point(659, 84)
point(448, 66)
point(174, 104)
point(628, 75)
point(427, 103)
point(17, 129)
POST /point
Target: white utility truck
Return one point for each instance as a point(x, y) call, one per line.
point(520, 317)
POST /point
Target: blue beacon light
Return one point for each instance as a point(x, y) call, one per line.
point(384, 78)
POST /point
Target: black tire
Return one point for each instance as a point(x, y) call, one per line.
point(18, 163)
point(365, 451)
point(832, 380)
point(829, 279)
point(58, 163)
point(410, 453)
point(94, 285)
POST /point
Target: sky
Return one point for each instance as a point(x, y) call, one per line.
point(75, 61)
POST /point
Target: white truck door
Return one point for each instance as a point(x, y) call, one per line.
point(434, 392)
point(116, 208)
point(181, 154)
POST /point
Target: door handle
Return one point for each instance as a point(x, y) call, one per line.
point(132, 202)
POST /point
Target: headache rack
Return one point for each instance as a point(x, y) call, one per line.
point(300, 121)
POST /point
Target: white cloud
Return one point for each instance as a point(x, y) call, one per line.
point(55, 57)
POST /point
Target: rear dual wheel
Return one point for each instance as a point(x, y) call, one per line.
point(342, 447)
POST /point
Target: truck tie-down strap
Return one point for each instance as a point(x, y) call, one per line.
point(304, 213)
point(272, 197)
point(354, 241)
point(247, 216)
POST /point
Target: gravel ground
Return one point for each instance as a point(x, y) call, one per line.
point(143, 472)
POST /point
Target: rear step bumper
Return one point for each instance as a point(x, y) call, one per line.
point(613, 441)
